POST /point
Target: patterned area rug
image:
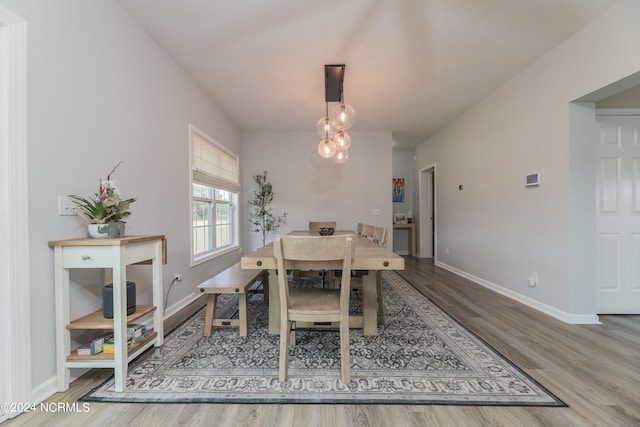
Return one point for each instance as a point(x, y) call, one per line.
point(420, 356)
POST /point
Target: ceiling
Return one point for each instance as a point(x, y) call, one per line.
point(411, 65)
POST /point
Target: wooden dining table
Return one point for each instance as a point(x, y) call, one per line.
point(368, 256)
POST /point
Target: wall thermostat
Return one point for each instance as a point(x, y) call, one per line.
point(533, 179)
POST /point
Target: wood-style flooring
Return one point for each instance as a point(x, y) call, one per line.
point(595, 369)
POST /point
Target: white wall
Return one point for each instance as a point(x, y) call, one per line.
point(496, 230)
point(311, 188)
point(101, 91)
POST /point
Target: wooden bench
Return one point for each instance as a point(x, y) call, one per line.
point(233, 280)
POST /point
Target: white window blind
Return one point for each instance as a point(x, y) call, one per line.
point(212, 164)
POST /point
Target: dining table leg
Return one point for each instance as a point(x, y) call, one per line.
point(274, 303)
point(370, 303)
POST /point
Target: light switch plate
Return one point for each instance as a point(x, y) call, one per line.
point(65, 206)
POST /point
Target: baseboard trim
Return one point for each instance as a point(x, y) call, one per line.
point(176, 307)
point(574, 319)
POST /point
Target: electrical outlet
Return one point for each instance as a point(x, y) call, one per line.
point(533, 279)
point(177, 277)
point(65, 206)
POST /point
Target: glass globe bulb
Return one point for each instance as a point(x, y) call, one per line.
point(325, 128)
point(326, 148)
point(343, 140)
point(343, 116)
point(341, 156)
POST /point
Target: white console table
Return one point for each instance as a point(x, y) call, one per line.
point(115, 254)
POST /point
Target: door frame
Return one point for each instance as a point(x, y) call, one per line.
point(427, 241)
point(15, 317)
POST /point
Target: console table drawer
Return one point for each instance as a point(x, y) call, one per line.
point(87, 257)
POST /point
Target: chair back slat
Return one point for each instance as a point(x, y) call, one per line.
point(315, 248)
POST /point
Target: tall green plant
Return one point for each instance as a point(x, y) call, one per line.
point(261, 217)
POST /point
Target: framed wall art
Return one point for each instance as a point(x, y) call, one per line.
point(398, 189)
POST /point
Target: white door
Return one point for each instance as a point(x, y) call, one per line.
point(618, 215)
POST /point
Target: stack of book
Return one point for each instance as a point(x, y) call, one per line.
point(105, 344)
point(135, 333)
point(94, 347)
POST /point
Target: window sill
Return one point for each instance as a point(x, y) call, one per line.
point(213, 255)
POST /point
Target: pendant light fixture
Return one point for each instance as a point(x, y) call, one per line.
point(341, 157)
point(332, 128)
point(343, 116)
point(342, 139)
point(327, 148)
point(326, 130)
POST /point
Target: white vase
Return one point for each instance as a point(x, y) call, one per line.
point(94, 231)
point(101, 231)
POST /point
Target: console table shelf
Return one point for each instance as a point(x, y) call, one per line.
point(96, 320)
point(132, 351)
point(114, 254)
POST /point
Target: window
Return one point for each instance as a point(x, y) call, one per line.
point(215, 185)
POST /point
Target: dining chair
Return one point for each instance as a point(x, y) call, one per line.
point(317, 225)
point(379, 235)
point(313, 304)
point(367, 230)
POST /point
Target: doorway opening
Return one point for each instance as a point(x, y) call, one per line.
point(427, 219)
point(593, 255)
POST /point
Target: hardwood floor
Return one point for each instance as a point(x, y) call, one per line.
point(595, 369)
